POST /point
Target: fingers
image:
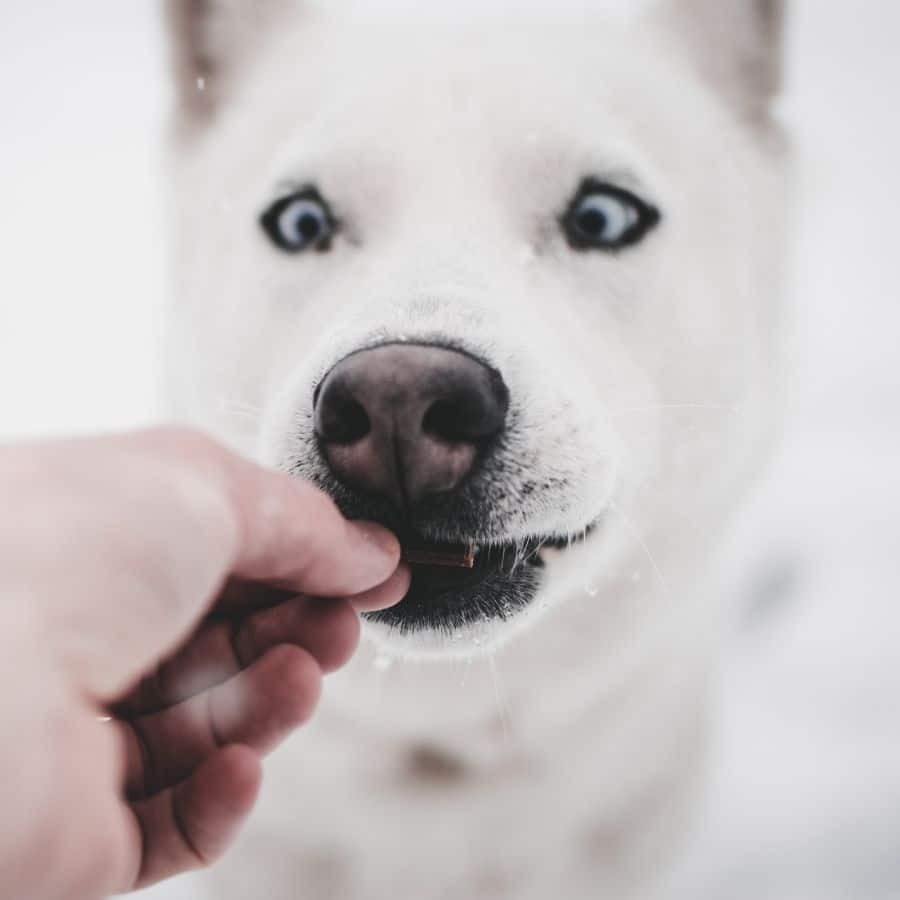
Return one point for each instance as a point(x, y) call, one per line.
point(326, 629)
point(385, 595)
point(287, 531)
point(190, 825)
point(161, 520)
point(258, 707)
point(292, 534)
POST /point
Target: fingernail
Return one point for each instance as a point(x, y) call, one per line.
point(378, 537)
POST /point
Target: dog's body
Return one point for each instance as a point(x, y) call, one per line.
point(545, 747)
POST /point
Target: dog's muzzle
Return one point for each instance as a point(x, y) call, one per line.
point(404, 429)
point(404, 422)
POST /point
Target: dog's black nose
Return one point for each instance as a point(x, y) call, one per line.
point(404, 421)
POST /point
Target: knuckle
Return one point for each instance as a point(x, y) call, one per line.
point(249, 640)
point(185, 533)
point(340, 629)
point(200, 498)
point(300, 683)
point(319, 506)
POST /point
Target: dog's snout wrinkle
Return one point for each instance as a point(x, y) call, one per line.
point(405, 421)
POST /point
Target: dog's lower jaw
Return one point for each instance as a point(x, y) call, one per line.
point(465, 641)
point(456, 603)
point(460, 613)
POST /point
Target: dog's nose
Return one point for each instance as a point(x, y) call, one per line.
point(404, 421)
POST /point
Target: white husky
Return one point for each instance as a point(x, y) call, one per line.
point(504, 278)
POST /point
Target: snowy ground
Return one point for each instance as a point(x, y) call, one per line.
point(805, 798)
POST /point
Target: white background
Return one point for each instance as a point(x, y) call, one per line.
point(805, 797)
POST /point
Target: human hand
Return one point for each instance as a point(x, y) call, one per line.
point(160, 580)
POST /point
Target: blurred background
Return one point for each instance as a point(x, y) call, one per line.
point(804, 801)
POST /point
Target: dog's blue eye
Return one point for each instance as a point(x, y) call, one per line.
point(605, 217)
point(299, 222)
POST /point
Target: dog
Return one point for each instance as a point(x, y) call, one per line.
point(504, 278)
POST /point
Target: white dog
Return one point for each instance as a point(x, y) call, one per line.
point(505, 277)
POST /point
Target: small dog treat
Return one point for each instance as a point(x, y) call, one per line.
point(448, 557)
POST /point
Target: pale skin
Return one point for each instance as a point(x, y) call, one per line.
point(163, 626)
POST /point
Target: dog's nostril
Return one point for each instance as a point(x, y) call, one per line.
point(405, 421)
point(457, 419)
point(343, 421)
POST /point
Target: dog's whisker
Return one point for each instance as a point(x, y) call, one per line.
point(520, 555)
point(241, 404)
point(629, 525)
point(467, 671)
point(655, 407)
point(501, 698)
point(241, 409)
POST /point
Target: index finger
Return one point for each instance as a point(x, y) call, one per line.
point(149, 527)
point(292, 535)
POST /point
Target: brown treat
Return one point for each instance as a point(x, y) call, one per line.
point(448, 557)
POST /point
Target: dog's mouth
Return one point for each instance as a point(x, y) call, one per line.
point(457, 586)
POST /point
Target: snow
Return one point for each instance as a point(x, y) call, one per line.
point(804, 799)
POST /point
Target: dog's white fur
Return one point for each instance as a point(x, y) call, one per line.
point(551, 755)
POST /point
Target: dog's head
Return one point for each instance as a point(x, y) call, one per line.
point(495, 279)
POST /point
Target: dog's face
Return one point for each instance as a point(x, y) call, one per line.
point(496, 282)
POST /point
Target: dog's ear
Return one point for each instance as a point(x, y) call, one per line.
point(211, 41)
point(737, 44)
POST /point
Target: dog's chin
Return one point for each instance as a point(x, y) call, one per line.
point(503, 581)
point(450, 606)
point(455, 609)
